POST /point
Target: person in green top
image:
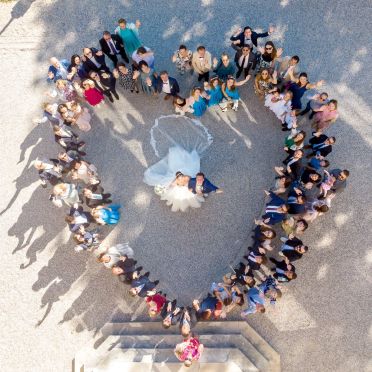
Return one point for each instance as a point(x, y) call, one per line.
point(129, 34)
point(295, 141)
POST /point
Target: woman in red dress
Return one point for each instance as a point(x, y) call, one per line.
point(93, 96)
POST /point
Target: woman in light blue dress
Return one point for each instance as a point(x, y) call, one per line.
point(197, 101)
point(129, 34)
point(107, 215)
point(214, 91)
point(230, 91)
point(147, 78)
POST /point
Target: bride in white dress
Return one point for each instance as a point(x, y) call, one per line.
point(179, 141)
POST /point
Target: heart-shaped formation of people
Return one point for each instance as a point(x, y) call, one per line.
point(302, 191)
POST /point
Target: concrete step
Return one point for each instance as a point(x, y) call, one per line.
point(205, 328)
point(248, 358)
point(231, 360)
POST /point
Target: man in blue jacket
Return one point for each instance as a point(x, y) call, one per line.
point(248, 37)
point(202, 186)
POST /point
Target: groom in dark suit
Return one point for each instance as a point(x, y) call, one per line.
point(202, 186)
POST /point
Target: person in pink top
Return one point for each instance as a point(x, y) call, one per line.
point(189, 350)
point(326, 116)
point(93, 96)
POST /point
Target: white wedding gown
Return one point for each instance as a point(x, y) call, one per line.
point(180, 141)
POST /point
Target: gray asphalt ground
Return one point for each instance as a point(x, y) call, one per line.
point(53, 300)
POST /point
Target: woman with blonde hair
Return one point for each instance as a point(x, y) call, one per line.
point(81, 115)
point(65, 192)
point(64, 91)
point(93, 96)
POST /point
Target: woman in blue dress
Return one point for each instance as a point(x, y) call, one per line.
point(230, 91)
point(147, 78)
point(106, 215)
point(129, 34)
point(197, 101)
point(298, 87)
point(214, 91)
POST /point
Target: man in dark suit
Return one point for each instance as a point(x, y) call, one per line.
point(276, 209)
point(296, 201)
point(105, 83)
point(341, 177)
point(170, 313)
point(283, 272)
point(202, 186)
point(320, 144)
point(294, 164)
point(245, 60)
point(142, 286)
point(94, 196)
point(112, 45)
point(94, 60)
point(292, 249)
point(248, 37)
point(167, 85)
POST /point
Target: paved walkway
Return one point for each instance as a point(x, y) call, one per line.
point(53, 300)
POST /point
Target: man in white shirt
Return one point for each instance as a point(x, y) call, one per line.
point(167, 85)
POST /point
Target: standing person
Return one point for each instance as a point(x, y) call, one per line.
point(283, 272)
point(155, 304)
point(167, 85)
point(76, 70)
point(298, 87)
point(269, 287)
point(242, 275)
point(188, 321)
point(49, 171)
point(86, 240)
point(197, 101)
point(214, 91)
point(284, 65)
point(294, 141)
point(112, 45)
point(126, 76)
point(182, 58)
point(181, 106)
point(314, 104)
point(255, 301)
point(276, 209)
point(293, 164)
point(294, 227)
point(57, 70)
point(94, 195)
point(64, 91)
point(81, 115)
point(224, 67)
point(94, 60)
point(105, 83)
point(77, 218)
point(279, 104)
point(129, 35)
point(264, 82)
point(65, 192)
point(92, 95)
point(50, 114)
point(292, 249)
point(320, 144)
point(85, 171)
point(248, 37)
point(325, 116)
point(68, 139)
point(202, 63)
point(106, 215)
point(230, 91)
point(245, 60)
point(171, 313)
point(147, 78)
point(202, 186)
point(210, 307)
point(188, 351)
point(143, 54)
point(341, 179)
point(268, 56)
point(114, 254)
point(142, 286)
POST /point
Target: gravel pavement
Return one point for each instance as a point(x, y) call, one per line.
point(53, 300)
